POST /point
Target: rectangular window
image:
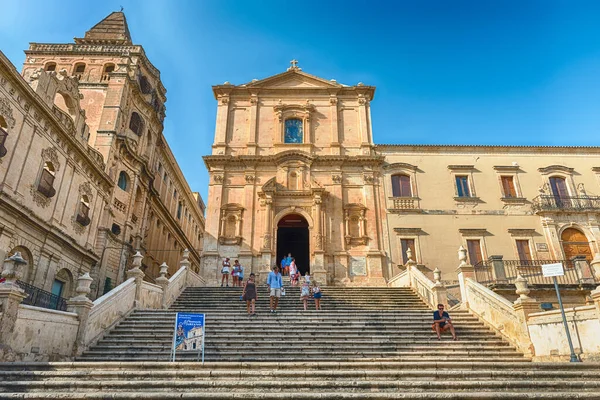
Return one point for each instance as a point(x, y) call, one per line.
point(508, 186)
point(407, 244)
point(401, 186)
point(462, 186)
point(524, 251)
point(474, 249)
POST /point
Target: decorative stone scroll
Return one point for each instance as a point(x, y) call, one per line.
point(6, 112)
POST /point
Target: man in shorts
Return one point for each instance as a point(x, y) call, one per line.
point(275, 283)
point(442, 322)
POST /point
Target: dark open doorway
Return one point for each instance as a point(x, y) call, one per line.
point(292, 237)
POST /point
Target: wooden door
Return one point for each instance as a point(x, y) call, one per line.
point(574, 244)
point(559, 191)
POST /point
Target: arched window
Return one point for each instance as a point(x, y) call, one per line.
point(108, 68)
point(51, 66)
point(3, 135)
point(83, 214)
point(136, 124)
point(123, 182)
point(46, 183)
point(79, 69)
point(401, 186)
point(145, 85)
point(293, 132)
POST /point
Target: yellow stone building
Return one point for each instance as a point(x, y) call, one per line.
point(295, 169)
point(88, 177)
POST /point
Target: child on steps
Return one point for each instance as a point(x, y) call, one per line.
point(304, 294)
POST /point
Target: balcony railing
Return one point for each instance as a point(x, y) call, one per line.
point(40, 298)
point(566, 203)
point(495, 270)
point(403, 204)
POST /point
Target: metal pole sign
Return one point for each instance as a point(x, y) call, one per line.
point(554, 270)
point(188, 334)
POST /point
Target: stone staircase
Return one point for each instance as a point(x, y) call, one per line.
point(367, 343)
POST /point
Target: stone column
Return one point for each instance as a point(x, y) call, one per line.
point(136, 273)
point(464, 271)
point(81, 305)
point(318, 272)
point(163, 282)
point(11, 296)
point(266, 262)
point(584, 271)
point(497, 263)
point(440, 295)
point(595, 265)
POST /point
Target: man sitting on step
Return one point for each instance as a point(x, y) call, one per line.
point(275, 283)
point(442, 322)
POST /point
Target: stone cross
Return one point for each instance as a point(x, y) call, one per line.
point(294, 63)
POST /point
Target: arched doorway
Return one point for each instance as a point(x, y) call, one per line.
point(293, 237)
point(575, 243)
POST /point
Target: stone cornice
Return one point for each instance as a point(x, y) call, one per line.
point(522, 232)
point(212, 161)
point(476, 148)
point(400, 166)
point(506, 168)
point(556, 168)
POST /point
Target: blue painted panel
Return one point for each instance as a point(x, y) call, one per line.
point(293, 131)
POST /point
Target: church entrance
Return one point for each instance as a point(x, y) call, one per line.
point(293, 237)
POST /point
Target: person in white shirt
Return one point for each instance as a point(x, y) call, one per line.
point(225, 270)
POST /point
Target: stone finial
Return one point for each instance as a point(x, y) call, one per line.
point(163, 270)
point(83, 286)
point(12, 268)
point(462, 255)
point(522, 288)
point(437, 276)
point(185, 260)
point(409, 256)
point(137, 260)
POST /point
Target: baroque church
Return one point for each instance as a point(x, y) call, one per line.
point(295, 168)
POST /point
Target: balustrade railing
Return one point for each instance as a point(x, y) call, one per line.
point(403, 203)
point(40, 298)
point(566, 203)
point(495, 270)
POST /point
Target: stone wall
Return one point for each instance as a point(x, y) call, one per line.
point(43, 335)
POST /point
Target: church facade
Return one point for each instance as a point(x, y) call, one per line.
point(295, 169)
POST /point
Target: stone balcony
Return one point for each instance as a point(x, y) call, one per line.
point(403, 205)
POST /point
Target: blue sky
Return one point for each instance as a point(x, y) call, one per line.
point(447, 72)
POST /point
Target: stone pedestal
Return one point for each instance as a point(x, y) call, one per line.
point(11, 296)
point(317, 270)
point(163, 282)
point(464, 272)
point(81, 305)
point(136, 273)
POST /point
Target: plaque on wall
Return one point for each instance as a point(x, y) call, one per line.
point(541, 247)
point(358, 266)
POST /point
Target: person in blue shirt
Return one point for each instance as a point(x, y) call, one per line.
point(285, 264)
point(442, 322)
point(275, 284)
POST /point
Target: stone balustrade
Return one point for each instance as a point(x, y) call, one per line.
point(37, 334)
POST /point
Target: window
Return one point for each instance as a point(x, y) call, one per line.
point(50, 67)
point(79, 69)
point(115, 229)
point(179, 208)
point(45, 186)
point(145, 85)
point(474, 249)
point(174, 193)
point(524, 251)
point(293, 132)
point(123, 182)
point(83, 215)
point(558, 185)
point(3, 135)
point(462, 186)
point(407, 244)
point(136, 124)
point(165, 176)
point(109, 68)
point(508, 186)
point(401, 186)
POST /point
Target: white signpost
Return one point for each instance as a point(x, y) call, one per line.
point(552, 271)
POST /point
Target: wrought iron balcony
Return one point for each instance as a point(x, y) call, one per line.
point(546, 202)
point(40, 298)
point(495, 270)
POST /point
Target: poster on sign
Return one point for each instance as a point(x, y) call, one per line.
point(189, 334)
point(550, 270)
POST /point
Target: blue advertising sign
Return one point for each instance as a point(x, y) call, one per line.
point(188, 334)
